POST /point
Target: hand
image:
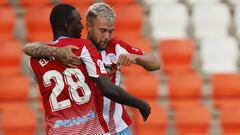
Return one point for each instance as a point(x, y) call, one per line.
point(145, 110)
point(126, 59)
point(65, 56)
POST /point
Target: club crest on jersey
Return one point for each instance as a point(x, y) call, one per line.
point(112, 57)
point(101, 65)
point(135, 49)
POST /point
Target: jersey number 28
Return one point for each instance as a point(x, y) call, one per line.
point(73, 86)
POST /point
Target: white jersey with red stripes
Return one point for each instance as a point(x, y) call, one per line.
point(69, 93)
point(114, 113)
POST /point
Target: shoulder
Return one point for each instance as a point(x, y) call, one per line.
point(78, 41)
point(124, 47)
point(119, 42)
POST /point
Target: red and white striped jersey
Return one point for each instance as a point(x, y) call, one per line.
point(69, 93)
point(114, 113)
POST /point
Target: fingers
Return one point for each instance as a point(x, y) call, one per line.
point(146, 116)
point(145, 112)
point(72, 66)
point(124, 60)
point(68, 58)
point(73, 47)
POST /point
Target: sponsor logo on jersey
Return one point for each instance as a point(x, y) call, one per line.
point(74, 120)
point(112, 57)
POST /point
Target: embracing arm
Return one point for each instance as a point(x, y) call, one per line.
point(117, 94)
point(39, 50)
point(64, 54)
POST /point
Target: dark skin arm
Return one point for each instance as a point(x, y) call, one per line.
point(119, 95)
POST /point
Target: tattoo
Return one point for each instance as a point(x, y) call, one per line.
point(39, 50)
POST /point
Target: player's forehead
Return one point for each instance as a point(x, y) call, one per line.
point(104, 22)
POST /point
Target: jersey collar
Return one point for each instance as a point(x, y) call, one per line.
point(61, 37)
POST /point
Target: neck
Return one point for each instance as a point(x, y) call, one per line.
point(94, 43)
point(60, 34)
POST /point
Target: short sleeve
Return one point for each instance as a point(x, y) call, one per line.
point(92, 61)
point(125, 48)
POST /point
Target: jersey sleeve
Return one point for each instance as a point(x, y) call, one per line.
point(125, 48)
point(92, 60)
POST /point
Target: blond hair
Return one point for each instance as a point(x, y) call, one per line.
point(100, 9)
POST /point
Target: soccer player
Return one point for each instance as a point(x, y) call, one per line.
point(100, 27)
point(69, 94)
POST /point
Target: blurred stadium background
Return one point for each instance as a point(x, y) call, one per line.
point(196, 92)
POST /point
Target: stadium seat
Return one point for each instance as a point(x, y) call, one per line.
point(14, 88)
point(219, 55)
point(152, 2)
point(171, 25)
point(193, 121)
point(4, 3)
point(176, 55)
point(226, 89)
point(197, 2)
point(211, 20)
point(38, 26)
point(21, 123)
point(10, 58)
point(230, 120)
point(35, 2)
point(156, 123)
point(122, 2)
point(78, 2)
point(7, 22)
point(185, 90)
point(137, 86)
point(129, 18)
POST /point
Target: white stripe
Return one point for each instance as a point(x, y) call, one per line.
point(90, 65)
point(106, 108)
point(31, 70)
point(106, 60)
point(120, 124)
point(118, 76)
point(120, 50)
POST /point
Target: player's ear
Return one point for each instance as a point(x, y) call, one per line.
point(67, 27)
point(89, 26)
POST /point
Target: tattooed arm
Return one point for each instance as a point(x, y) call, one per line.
point(64, 55)
point(39, 50)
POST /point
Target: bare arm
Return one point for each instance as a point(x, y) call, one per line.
point(117, 94)
point(149, 62)
point(39, 50)
point(64, 55)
